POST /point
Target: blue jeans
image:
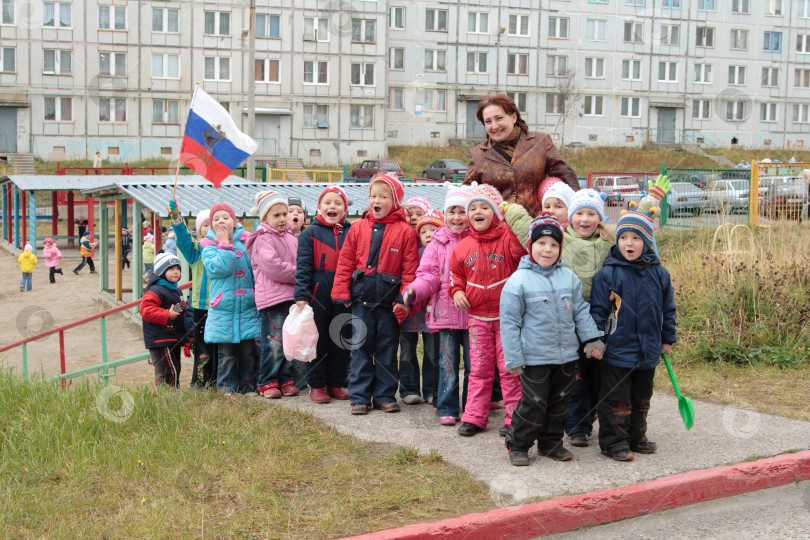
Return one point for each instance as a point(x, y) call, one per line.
point(409, 363)
point(582, 404)
point(274, 368)
point(236, 370)
point(449, 358)
point(25, 282)
point(373, 372)
point(148, 268)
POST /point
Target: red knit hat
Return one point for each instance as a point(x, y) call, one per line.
point(393, 182)
point(222, 207)
point(334, 188)
point(431, 217)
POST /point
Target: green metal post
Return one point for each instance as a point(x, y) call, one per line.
point(32, 227)
point(664, 200)
point(137, 252)
point(17, 213)
point(103, 323)
point(25, 360)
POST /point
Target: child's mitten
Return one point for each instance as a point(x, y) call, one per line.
point(591, 346)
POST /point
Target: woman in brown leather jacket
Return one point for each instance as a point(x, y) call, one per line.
point(513, 159)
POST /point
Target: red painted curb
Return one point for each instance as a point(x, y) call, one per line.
point(604, 506)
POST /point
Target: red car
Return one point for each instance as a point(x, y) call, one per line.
point(370, 167)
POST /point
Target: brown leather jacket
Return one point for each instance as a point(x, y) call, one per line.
point(535, 158)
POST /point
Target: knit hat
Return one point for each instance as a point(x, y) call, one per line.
point(265, 200)
point(296, 201)
point(393, 182)
point(544, 225)
point(487, 194)
point(28, 248)
point(561, 191)
point(334, 188)
point(203, 215)
point(456, 196)
point(148, 237)
point(163, 262)
point(222, 207)
point(431, 217)
point(641, 224)
point(48, 240)
point(587, 198)
point(418, 202)
point(86, 233)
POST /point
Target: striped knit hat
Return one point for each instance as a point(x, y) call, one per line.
point(456, 196)
point(265, 201)
point(164, 261)
point(431, 217)
point(487, 194)
point(641, 224)
point(394, 183)
point(544, 225)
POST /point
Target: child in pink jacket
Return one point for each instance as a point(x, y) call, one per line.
point(52, 256)
point(273, 249)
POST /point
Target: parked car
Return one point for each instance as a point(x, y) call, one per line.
point(766, 182)
point(786, 200)
point(618, 188)
point(726, 195)
point(697, 178)
point(370, 167)
point(684, 197)
point(444, 169)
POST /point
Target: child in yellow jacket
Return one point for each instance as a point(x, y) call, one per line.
point(27, 261)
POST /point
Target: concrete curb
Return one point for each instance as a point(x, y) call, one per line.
point(604, 506)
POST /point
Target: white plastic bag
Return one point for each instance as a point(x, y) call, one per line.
point(299, 335)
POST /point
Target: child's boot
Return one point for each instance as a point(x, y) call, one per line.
point(518, 458)
point(647, 447)
point(557, 452)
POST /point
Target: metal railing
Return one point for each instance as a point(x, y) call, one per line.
point(269, 147)
point(304, 175)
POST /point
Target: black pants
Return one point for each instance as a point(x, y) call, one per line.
point(540, 413)
point(334, 350)
point(166, 361)
point(52, 271)
point(124, 260)
point(88, 261)
point(624, 401)
point(204, 373)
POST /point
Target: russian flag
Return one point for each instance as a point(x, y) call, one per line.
point(212, 144)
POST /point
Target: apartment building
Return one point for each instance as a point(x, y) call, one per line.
point(339, 80)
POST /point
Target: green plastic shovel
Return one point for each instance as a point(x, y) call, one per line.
point(685, 405)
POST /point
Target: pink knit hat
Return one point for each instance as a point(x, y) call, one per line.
point(334, 188)
point(544, 186)
point(48, 240)
point(222, 207)
point(418, 202)
point(487, 194)
point(393, 182)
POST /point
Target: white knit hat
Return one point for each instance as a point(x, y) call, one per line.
point(587, 198)
point(203, 215)
point(561, 191)
point(164, 261)
point(456, 196)
point(265, 201)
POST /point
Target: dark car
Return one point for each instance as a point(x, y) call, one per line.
point(785, 200)
point(370, 167)
point(445, 169)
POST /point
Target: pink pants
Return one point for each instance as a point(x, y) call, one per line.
point(485, 353)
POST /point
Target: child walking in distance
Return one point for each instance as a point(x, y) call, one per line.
point(480, 265)
point(27, 261)
point(126, 247)
point(162, 313)
point(542, 313)
point(148, 253)
point(232, 321)
point(204, 372)
point(378, 260)
point(272, 249)
point(633, 301)
point(52, 258)
point(319, 248)
point(86, 246)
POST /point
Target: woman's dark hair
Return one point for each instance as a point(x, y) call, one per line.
point(504, 102)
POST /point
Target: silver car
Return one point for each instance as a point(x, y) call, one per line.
point(684, 197)
point(726, 195)
point(445, 169)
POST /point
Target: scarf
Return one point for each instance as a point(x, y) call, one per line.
point(507, 146)
point(167, 284)
point(393, 217)
point(337, 226)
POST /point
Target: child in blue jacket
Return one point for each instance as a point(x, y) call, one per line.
point(543, 319)
point(633, 301)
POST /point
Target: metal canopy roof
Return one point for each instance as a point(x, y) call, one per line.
point(59, 182)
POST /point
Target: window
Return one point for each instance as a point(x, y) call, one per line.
point(740, 6)
point(631, 107)
point(361, 116)
point(112, 64)
point(397, 58)
point(478, 22)
point(557, 66)
point(435, 60)
point(593, 105)
point(267, 71)
point(667, 72)
point(631, 70)
point(801, 78)
point(217, 69)
point(436, 20)
point(672, 4)
point(165, 20)
point(59, 109)
point(165, 111)
point(703, 73)
point(363, 30)
point(704, 37)
point(739, 39)
point(56, 15)
point(362, 74)
point(707, 5)
point(555, 103)
point(165, 66)
point(803, 43)
point(316, 115)
point(58, 62)
point(316, 29)
point(767, 112)
point(736, 74)
point(701, 109)
point(395, 101)
point(517, 64)
point(268, 26)
point(8, 63)
point(518, 25)
point(435, 100)
point(803, 10)
point(217, 23)
point(476, 62)
point(773, 7)
point(634, 32)
point(519, 98)
point(8, 12)
point(770, 76)
point(735, 110)
point(558, 27)
point(670, 34)
point(396, 18)
point(112, 110)
point(112, 18)
point(773, 42)
point(316, 72)
point(595, 29)
point(801, 113)
point(637, 3)
point(595, 68)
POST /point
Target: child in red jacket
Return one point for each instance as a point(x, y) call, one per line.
point(378, 260)
point(479, 268)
